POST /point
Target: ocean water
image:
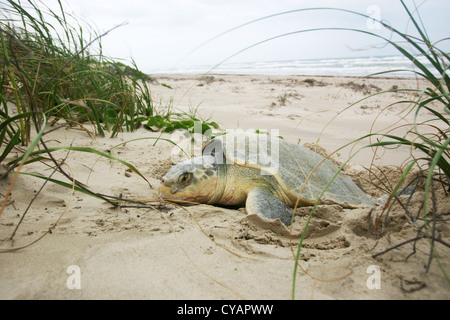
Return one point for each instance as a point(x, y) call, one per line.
point(361, 66)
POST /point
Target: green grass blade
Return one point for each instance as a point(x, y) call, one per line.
point(87, 150)
point(12, 143)
point(59, 182)
point(436, 161)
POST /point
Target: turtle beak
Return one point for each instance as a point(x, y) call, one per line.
point(166, 188)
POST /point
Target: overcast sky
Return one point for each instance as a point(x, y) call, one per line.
point(159, 33)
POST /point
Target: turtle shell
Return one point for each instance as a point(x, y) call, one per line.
point(298, 170)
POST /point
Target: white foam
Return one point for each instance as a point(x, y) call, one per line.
point(360, 66)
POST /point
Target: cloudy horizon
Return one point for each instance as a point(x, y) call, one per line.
point(162, 34)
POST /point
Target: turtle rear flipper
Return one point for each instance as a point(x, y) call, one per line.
point(262, 202)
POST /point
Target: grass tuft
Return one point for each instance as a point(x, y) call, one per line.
point(430, 137)
point(53, 74)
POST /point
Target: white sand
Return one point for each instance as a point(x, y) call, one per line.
point(208, 252)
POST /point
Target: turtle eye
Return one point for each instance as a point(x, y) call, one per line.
point(185, 178)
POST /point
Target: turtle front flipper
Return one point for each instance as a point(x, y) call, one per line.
point(262, 202)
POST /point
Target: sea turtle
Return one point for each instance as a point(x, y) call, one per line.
point(262, 172)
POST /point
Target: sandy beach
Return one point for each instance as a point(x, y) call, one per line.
point(202, 251)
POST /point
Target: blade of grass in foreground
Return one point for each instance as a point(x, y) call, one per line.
point(59, 182)
point(88, 150)
point(436, 160)
point(23, 159)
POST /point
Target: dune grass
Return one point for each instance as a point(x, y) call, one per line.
point(431, 137)
point(53, 74)
point(51, 66)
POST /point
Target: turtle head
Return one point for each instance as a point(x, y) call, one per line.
point(191, 180)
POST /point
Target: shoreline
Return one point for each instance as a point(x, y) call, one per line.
point(209, 252)
point(200, 75)
point(358, 67)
